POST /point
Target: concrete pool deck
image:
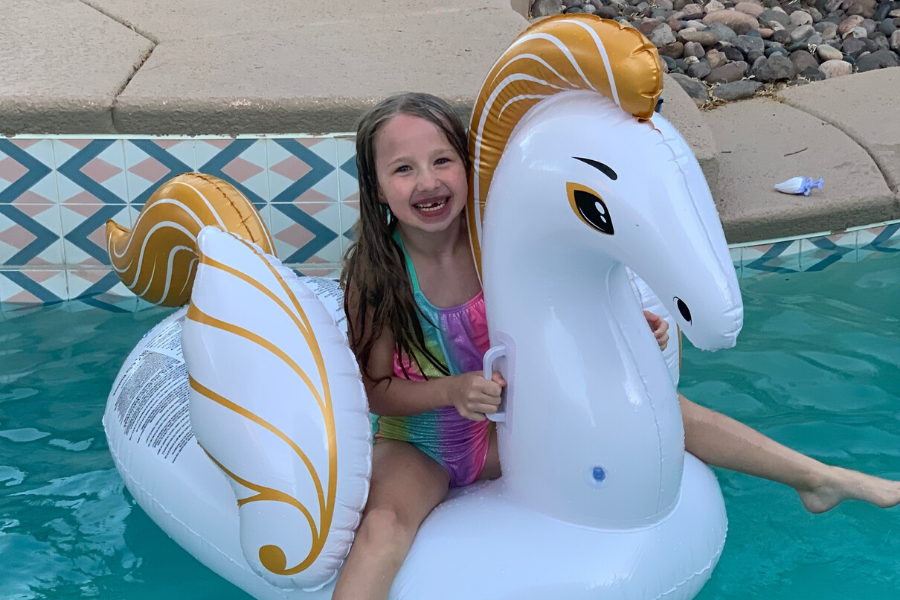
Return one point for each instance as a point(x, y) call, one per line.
point(203, 67)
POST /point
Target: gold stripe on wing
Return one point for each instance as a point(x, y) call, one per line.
point(197, 315)
point(272, 557)
point(328, 417)
point(219, 399)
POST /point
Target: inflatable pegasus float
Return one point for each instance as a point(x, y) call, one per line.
point(240, 423)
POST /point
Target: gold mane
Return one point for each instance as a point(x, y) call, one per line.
point(568, 52)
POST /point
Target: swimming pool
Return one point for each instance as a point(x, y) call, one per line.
point(816, 367)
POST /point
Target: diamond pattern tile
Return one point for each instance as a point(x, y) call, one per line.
point(348, 183)
point(151, 162)
point(32, 286)
point(777, 257)
point(306, 232)
point(91, 171)
point(878, 241)
point(26, 172)
point(349, 217)
point(821, 252)
point(30, 235)
point(302, 170)
point(240, 162)
point(84, 231)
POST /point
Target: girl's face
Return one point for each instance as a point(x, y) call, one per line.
point(420, 176)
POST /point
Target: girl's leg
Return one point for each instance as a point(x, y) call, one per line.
point(491, 468)
point(721, 441)
point(406, 486)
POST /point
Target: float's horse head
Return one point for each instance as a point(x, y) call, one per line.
point(591, 179)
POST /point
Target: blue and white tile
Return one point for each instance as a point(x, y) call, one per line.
point(84, 231)
point(302, 170)
point(775, 257)
point(151, 162)
point(348, 183)
point(819, 253)
point(32, 286)
point(91, 171)
point(241, 162)
point(880, 241)
point(306, 232)
point(27, 172)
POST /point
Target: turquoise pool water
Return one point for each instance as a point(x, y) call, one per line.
point(817, 367)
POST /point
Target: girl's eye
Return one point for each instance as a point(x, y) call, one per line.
point(403, 169)
point(442, 161)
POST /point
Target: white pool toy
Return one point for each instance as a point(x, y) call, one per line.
point(598, 498)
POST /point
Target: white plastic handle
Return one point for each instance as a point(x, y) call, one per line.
point(490, 356)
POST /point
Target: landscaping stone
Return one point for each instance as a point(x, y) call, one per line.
point(727, 73)
point(779, 17)
point(881, 59)
point(826, 52)
point(715, 59)
point(812, 74)
point(799, 17)
point(849, 23)
point(695, 89)
point(746, 44)
point(694, 49)
point(546, 8)
point(673, 50)
point(854, 46)
point(699, 70)
point(803, 60)
point(732, 53)
point(704, 38)
point(836, 68)
point(802, 32)
point(737, 21)
point(895, 41)
point(722, 32)
point(751, 8)
point(774, 68)
point(736, 90)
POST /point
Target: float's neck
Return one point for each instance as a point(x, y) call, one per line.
point(593, 433)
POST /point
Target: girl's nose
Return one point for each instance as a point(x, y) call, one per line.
point(428, 180)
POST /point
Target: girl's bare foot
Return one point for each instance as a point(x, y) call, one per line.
point(837, 485)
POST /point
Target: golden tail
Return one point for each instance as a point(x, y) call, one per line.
point(157, 259)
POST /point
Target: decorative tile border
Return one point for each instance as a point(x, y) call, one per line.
point(56, 194)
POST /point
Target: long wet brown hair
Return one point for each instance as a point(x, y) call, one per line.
point(374, 270)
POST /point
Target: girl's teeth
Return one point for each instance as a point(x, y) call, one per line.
point(431, 206)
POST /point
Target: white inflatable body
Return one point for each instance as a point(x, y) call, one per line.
point(598, 498)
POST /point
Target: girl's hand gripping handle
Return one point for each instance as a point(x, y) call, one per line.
point(490, 356)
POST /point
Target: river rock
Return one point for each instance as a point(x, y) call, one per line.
point(692, 10)
point(750, 8)
point(732, 53)
point(694, 49)
point(865, 8)
point(782, 36)
point(826, 52)
point(836, 68)
point(747, 44)
point(856, 32)
point(739, 22)
point(695, 89)
point(895, 41)
point(887, 27)
point(714, 6)
point(812, 74)
point(699, 70)
point(673, 50)
point(670, 62)
point(727, 73)
point(773, 15)
point(772, 50)
point(870, 26)
point(882, 59)
point(546, 8)
point(803, 60)
point(715, 59)
point(736, 90)
point(704, 38)
point(849, 23)
point(774, 68)
point(854, 47)
point(881, 12)
point(802, 32)
point(800, 17)
point(725, 33)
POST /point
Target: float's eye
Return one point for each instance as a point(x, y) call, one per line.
point(590, 207)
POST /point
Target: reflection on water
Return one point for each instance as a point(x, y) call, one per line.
point(815, 368)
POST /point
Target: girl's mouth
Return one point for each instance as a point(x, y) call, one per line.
point(432, 206)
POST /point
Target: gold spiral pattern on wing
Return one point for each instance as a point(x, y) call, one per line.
point(157, 259)
point(272, 557)
point(568, 52)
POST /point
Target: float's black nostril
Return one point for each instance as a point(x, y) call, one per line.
point(683, 309)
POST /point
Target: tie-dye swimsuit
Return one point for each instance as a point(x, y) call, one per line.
point(459, 337)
